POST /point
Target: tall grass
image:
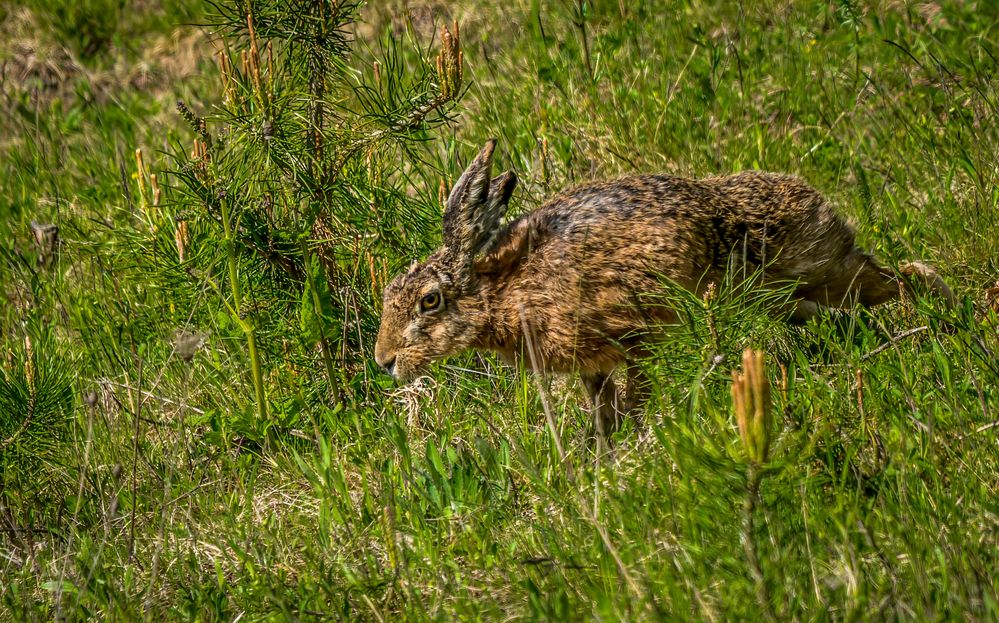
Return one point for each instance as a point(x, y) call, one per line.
point(190, 424)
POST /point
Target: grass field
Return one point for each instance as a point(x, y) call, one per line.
point(191, 426)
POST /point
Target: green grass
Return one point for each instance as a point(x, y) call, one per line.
point(145, 486)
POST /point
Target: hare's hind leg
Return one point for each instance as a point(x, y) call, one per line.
point(929, 278)
point(857, 278)
point(803, 311)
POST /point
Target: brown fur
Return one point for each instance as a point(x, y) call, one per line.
point(567, 280)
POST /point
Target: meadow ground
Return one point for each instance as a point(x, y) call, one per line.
point(191, 426)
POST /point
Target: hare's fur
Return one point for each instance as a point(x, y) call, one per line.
point(562, 287)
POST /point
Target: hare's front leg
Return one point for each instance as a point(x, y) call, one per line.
point(608, 406)
point(604, 405)
point(638, 390)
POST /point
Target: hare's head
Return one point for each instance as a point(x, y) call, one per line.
point(436, 309)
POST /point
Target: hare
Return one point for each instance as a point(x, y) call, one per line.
point(562, 286)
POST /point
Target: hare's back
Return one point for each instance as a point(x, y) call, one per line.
point(692, 230)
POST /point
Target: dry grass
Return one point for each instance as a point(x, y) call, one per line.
point(38, 64)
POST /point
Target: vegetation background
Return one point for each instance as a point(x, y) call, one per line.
point(191, 427)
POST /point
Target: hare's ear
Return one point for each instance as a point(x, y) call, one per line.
point(470, 217)
point(500, 190)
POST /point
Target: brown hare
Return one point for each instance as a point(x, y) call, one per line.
point(561, 287)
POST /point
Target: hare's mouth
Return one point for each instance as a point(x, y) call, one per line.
point(404, 377)
point(391, 369)
point(401, 370)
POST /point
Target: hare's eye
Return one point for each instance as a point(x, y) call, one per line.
point(431, 302)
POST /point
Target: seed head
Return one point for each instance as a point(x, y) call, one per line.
point(751, 402)
point(182, 238)
point(450, 63)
